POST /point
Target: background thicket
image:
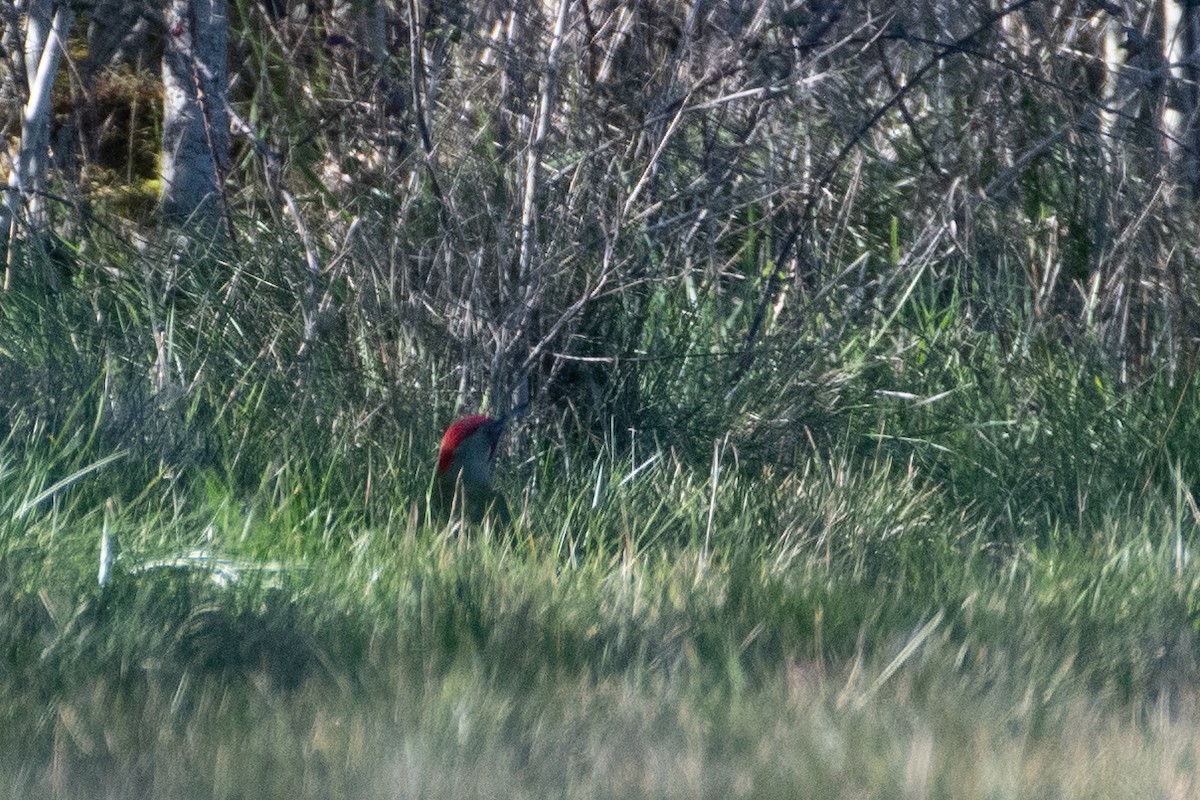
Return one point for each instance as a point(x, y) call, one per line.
point(859, 340)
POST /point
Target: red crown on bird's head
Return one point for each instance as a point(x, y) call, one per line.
point(460, 431)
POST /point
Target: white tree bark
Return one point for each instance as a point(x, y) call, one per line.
point(195, 116)
point(1179, 110)
point(45, 33)
point(1172, 50)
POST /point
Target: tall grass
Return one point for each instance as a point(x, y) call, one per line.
point(984, 586)
point(860, 459)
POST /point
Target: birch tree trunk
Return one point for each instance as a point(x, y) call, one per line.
point(45, 32)
point(1180, 101)
point(195, 145)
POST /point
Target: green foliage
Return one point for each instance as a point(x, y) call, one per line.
point(860, 461)
point(994, 557)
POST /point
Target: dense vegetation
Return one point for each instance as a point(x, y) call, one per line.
point(862, 446)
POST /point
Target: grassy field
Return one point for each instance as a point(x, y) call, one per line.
point(859, 341)
point(975, 580)
point(390, 661)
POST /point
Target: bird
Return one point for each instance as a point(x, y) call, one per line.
point(462, 486)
